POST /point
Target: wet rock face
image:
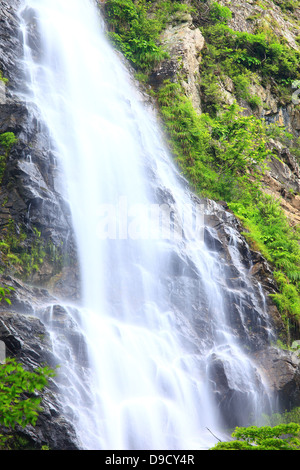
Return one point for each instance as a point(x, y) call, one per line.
point(32, 187)
point(245, 280)
point(234, 402)
point(10, 38)
point(28, 340)
point(245, 305)
point(30, 196)
point(282, 369)
point(32, 174)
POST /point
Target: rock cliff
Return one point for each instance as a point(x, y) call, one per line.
point(31, 211)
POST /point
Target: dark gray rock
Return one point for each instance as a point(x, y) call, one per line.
point(167, 70)
point(11, 48)
point(30, 197)
point(211, 240)
point(282, 369)
point(31, 187)
point(25, 328)
point(27, 339)
point(234, 402)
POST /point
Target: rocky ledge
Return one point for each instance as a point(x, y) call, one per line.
point(28, 339)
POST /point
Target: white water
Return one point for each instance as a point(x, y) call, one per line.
point(150, 390)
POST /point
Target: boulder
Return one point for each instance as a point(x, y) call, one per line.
point(282, 371)
point(27, 339)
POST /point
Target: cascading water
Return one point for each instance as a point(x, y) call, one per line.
point(152, 385)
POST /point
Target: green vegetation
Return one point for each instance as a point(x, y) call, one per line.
point(224, 150)
point(280, 437)
point(135, 28)
point(270, 233)
point(7, 140)
point(2, 78)
point(15, 407)
point(219, 13)
point(19, 399)
point(19, 403)
point(287, 417)
point(23, 255)
point(133, 33)
point(4, 293)
point(251, 59)
point(247, 59)
point(280, 431)
point(17, 255)
point(287, 5)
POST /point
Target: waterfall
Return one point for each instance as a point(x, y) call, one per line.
point(144, 265)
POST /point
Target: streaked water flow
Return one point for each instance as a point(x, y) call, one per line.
point(151, 387)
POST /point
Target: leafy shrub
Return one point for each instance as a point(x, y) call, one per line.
point(216, 154)
point(18, 255)
point(292, 416)
point(2, 78)
point(219, 13)
point(281, 437)
point(15, 382)
point(237, 54)
point(287, 5)
point(135, 27)
point(4, 293)
point(7, 140)
point(133, 33)
point(19, 402)
point(270, 233)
